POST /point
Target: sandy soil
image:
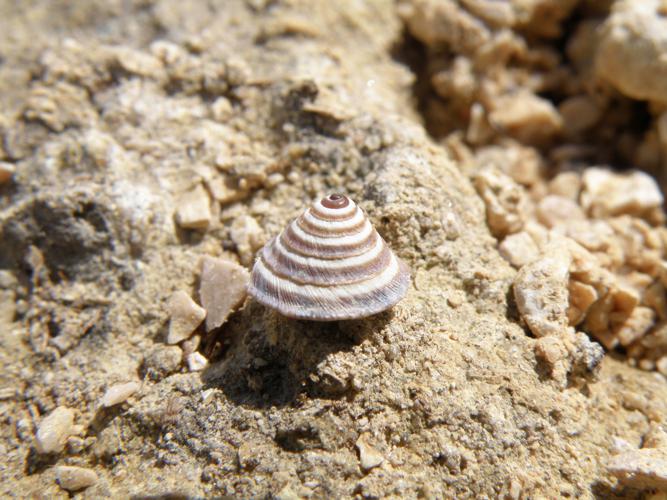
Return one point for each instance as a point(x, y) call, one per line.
point(449, 123)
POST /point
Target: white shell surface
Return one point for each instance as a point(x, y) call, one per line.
point(329, 264)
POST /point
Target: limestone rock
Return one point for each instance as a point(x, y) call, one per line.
point(247, 236)
point(222, 289)
point(526, 117)
point(369, 457)
point(553, 210)
point(193, 209)
point(607, 194)
point(186, 316)
point(505, 201)
point(119, 393)
point(519, 249)
point(162, 360)
point(632, 47)
point(196, 362)
point(540, 290)
point(642, 469)
point(54, 430)
point(72, 478)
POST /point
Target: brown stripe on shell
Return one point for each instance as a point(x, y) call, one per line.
point(331, 216)
point(329, 233)
point(302, 306)
point(282, 265)
point(291, 241)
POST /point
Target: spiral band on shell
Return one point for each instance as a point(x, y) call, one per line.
point(329, 264)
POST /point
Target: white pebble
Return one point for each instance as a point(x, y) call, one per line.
point(193, 210)
point(661, 365)
point(119, 393)
point(54, 430)
point(369, 457)
point(73, 478)
point(196, 362)
point(186, 316)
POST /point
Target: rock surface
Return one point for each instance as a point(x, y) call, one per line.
point(450, 123)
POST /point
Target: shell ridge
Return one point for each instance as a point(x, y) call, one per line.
point(336, 267)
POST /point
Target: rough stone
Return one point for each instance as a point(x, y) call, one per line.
point(119, 393)
point(369, 457)
point(185, 316)
point(222, 288)
point(519, 249)
point(193, 209)
point(72, 478)
point(162, 360)
point(54, 430)
point(605, 193)
point(642, 469)
point(540, 290)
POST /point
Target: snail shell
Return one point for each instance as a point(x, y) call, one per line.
point(329, 264)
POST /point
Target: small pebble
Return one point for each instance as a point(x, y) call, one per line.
point(193, 209)
point(54, 430)
point(247, 236)
point(369, 457)
point(222, 289)
point(119, 393)
point(162, 360)
point(661, 365)
point(186, 316)
point(196, 362)
point(73, 478)
point(642, 469)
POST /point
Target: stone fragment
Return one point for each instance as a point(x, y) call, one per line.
point(553, 210)
point(369, 457)
point(641, 469)
point(541, 292)
point(162, 360)
point(7, 171)
point(222, 289)
point(196, 361)
point(661, 365)
point(186, 316)
point(582, 297)
point(119, 393)
point(54, 430)
point(72, 478)
point(631, 50)
point(522, 163)
point(193, 209)
point(247, 236)
point(579, 113)
point(550, 349)
point(636, 326)
point(566, 184)
point(505, 201)
point(225, 190)
point(608, 194)
point(526, 117)
point(519, 249)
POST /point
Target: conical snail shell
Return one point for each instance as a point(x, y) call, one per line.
point(329, 264)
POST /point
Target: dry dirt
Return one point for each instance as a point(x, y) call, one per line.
point(113, 112)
